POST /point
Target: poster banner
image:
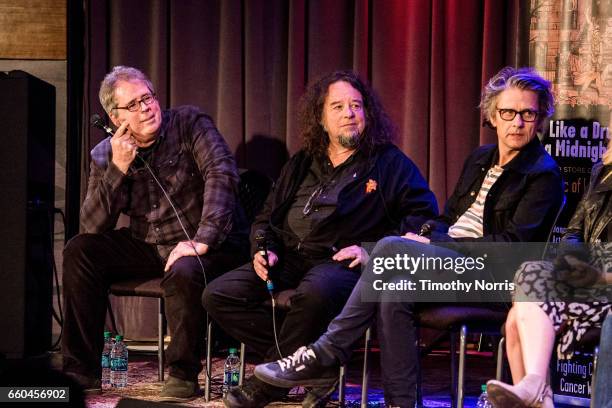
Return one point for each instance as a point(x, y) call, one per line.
point(570, 44)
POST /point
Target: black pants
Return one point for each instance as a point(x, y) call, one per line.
point(93, 261)
point(236, 302)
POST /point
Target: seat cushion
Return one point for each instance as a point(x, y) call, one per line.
point(453, 316)
point(145, 287)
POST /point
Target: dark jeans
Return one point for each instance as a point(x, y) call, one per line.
point(93, 261)
point(236, 302)
point(394, 324)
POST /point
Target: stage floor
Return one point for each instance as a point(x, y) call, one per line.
point(436, 379)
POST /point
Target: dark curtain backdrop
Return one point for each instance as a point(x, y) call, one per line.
point(247, 62)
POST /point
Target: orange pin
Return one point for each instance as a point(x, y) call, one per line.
point(371, 186)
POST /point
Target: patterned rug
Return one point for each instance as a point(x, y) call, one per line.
point(143, 383)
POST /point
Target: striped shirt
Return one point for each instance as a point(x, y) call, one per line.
point(469, 225)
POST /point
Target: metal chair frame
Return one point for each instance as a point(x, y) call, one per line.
point(458, 332)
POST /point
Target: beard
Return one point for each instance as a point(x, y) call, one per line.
point(349, 140)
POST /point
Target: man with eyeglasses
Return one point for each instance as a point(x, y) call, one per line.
point(507, 192)
point(187, 229)
point(349, 184)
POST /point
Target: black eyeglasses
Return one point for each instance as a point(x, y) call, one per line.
point(135, 105)
point(527, 115)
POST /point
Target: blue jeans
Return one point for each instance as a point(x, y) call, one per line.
point(394, 324)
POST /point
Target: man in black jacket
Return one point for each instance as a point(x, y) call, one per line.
point(508, 192)
point(348, 185)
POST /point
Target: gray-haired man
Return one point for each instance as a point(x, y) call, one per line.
point(182, 149)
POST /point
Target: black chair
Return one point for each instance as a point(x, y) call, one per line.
point(458, 321)
point(252, 192)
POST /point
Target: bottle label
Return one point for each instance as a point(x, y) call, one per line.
point(235, 378)
point(231, 378)
point(119, 364)
point(105, 361)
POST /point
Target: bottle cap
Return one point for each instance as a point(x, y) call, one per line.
point(483, 387)
point(119, 337)
point(233, 350)
point(107, 335)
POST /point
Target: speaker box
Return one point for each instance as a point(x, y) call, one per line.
point(27, 179)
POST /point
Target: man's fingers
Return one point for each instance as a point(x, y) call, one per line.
point(355, 262)
point(179, 251)
point(171, 259)
point(259, 259)
point(261, 272)
point(121, 130)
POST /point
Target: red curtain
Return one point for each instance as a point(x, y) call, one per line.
point(246, 63)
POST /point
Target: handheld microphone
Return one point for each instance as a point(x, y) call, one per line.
point(426, 229)
point(96, 121)
point(262, 248)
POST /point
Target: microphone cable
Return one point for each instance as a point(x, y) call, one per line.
point(262, 248)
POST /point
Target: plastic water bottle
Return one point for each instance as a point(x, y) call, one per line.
point(106, 365)
point(119, 363)
point(483, 400)
point(231, 372)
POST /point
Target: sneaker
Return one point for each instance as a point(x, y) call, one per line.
point(177, 390)
point(318, 396)
point(252, 394)
point(299, 369)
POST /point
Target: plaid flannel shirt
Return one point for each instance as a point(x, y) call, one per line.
point(195, 166)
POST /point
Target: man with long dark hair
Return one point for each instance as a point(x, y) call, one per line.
point(349, 184)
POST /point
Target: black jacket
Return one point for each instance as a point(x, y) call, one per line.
point(401, 202)
point(586, 225)
point(522, 204)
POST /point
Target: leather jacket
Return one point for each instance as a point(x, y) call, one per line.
point(522, 204)
point(586, 224)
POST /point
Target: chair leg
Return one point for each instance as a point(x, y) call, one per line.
point(365, 373)
point(500, 359)
point(453, 361)
point(242, 363)
point(342, 385)
point(208, 361)
point(112, 316)
point(161, 320)
point(594, 377)
point(460, 380)
point(419, 378)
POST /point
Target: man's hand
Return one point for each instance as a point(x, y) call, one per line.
point(123, 148)
point(185, 248)
point(414, 237)
point(354, 252)
point(259, 263)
